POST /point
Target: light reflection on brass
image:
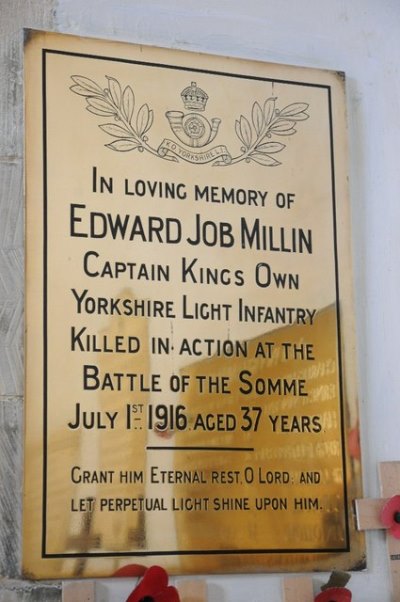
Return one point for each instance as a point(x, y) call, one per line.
point(285, 513)
point(83, 542)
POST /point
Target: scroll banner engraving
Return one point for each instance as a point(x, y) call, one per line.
point(169, 146)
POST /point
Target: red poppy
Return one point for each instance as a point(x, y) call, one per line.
point(390, 516)
point(334, 594)
point(154, 588)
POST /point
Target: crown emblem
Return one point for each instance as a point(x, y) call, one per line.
point(194, 97)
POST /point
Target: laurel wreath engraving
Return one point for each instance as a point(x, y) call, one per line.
point(130, 132)
point(267, 121)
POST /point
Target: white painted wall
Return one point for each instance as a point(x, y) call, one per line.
point(362, 38)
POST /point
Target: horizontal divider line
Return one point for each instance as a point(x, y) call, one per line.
point(198, 448)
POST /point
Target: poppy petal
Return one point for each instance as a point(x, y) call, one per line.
point(334, 594)
point(170, 594)
point(395, 530)
point(154, 581)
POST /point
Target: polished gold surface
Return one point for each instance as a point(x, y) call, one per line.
point(190, 391)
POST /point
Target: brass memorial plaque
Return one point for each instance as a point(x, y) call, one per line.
point(190, 368)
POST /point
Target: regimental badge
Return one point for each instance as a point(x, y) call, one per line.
point(192, 130)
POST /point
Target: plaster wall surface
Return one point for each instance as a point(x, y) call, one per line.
point(360, 38)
